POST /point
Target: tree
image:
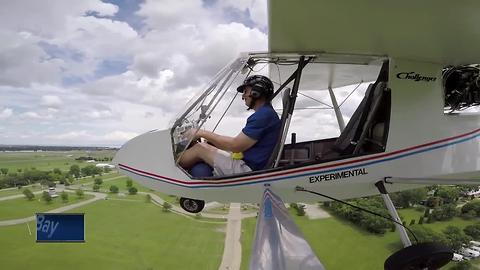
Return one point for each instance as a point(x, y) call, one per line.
point(166, 207)
point(132, 190)
point(46, 197)
point(107, 169)
point(75, 171)
point(113, 189)
point(448, 194)
point(4, 171)
point(96, 187)
point(64, 196)
point(420, 221)
point(98, 181)
point(427, 235)
point(129, 183)
point(408, 198)
point(79, 193)
point(148, 198)
point(471, 206)
point(28, 194)
point(455, 237)
point(473, 231)
point(427, 212)
point(57, 171)
point(445, 212)
point(434, 202)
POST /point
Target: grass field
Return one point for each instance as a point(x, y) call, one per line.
point(16, 191)
point(120, 235)
point(21, 207)
point(47, 161)
point(89, 179)
point(121, 183)
point(437, 226)
point(37, 187)
point(340, 245)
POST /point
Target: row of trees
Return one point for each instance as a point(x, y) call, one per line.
point(440, 205)
point(96, 159)
point(451, 236)
point(113, 188)
point(441, 195)
point(48, 178)
point(365, 220)
point(48, 198)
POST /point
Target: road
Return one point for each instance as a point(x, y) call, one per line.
point(232, 251)
point(98, 196)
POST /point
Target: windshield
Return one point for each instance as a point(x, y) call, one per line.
point(200, 107)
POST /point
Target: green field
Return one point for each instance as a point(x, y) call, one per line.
point(437, 226)
point(46, 161)
point(21, 207)
point(89, 179)
point(340, 245)
point(121, 183)
point(16, 191)
point(120, 235)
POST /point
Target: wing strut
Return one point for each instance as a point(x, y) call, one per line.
point(279, 244)
point(338, 113)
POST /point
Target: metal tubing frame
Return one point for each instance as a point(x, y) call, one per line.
point(293, 95)
point(393, 213)
point(338, 113)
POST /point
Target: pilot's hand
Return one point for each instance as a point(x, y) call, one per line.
point(193, 134)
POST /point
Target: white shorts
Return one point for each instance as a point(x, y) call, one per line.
point(223, 164)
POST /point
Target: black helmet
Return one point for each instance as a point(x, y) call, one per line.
point(261, 86)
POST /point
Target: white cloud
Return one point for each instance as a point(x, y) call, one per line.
point(99, 114)
point(72, 135)
point(30, 115)
point(119, 136)
point(258, 12)
point(22, 61)
point(51, 101)
point(48, 19)
point(256, 8)
point(6, 113)
point(114, 137)
point(168, 14)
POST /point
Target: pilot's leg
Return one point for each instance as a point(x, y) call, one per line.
point(198, 152)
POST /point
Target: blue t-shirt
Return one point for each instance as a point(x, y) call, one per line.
point(264, 127)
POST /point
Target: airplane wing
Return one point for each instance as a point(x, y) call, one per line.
point(279, 244)
point(436, 31)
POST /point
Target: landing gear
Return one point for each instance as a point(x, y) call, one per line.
point(420, 256)
point(191, 205)
point(412, 257)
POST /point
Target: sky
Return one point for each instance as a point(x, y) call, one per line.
point(98, 73)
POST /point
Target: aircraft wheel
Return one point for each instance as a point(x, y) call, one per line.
point(421, 256)
point(192, 205)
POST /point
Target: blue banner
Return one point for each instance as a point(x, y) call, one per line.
point(60, 227)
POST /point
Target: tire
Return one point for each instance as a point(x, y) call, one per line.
point(420, 256)
point(192, 205)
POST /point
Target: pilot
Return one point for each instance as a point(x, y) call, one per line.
point(256, 141)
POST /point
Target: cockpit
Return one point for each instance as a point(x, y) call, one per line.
point(331, 106)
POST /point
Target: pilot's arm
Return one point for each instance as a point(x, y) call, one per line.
point(239, 143)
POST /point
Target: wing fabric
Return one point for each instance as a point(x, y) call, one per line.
point(279, 244)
